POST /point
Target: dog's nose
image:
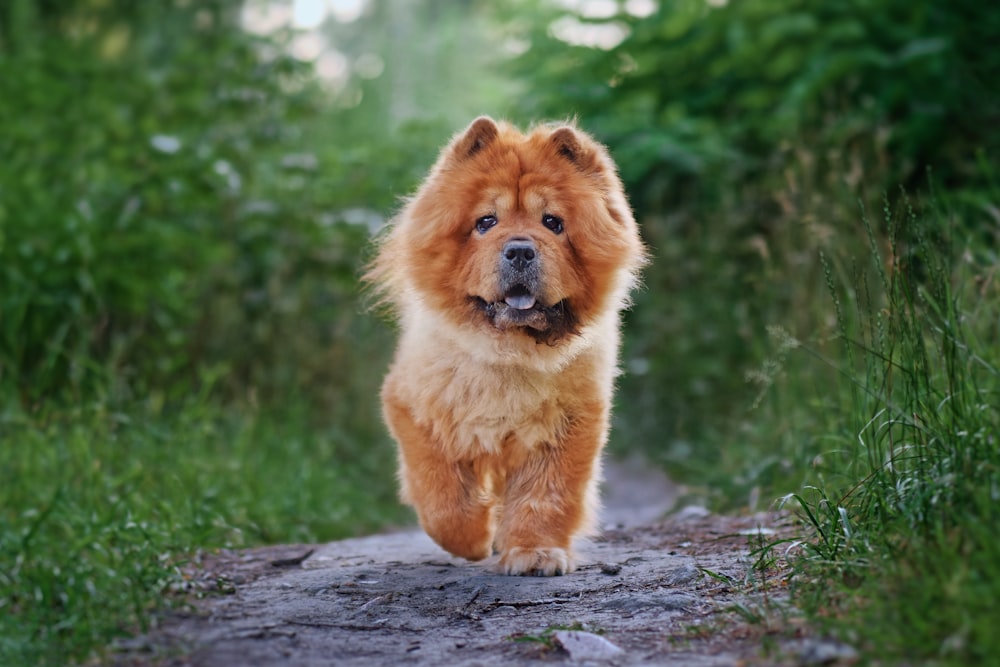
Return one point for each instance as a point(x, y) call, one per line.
point(519, 253)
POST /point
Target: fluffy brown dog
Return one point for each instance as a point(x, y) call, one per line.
point(508, 270)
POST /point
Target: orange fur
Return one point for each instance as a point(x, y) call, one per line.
point(500, 390)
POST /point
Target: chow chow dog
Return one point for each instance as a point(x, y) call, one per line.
point(507, 270)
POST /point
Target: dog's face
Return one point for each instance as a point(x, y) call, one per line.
point(523, 235)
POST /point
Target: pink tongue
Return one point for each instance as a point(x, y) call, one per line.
point(520, 301)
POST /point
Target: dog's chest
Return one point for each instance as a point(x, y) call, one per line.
point(484, 410)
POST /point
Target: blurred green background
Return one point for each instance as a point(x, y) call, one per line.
point(188, 192)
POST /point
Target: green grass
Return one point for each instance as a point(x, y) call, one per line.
point(904, 556)
point(100, 503)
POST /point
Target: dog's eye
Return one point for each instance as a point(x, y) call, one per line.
point(485, 222)
point(553, 223)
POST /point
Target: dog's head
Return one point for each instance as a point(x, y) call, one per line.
point(515, 234)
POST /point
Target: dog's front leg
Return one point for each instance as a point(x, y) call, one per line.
point(453, 504)
point(551, 498)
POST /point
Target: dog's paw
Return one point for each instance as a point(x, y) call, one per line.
point(537, 562)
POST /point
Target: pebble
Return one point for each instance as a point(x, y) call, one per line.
point(610, 568)
point(679, 576)
point(583, 646)
point(826, 652)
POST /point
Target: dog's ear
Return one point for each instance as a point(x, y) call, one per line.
point(480, 134)
point(577, 148)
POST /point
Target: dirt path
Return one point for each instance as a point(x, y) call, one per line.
point(650, 591)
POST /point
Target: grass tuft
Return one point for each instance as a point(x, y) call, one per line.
point(904, 556)
point(100, 504)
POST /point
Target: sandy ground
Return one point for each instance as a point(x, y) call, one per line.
point(652, 590)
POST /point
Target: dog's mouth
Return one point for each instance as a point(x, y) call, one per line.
point(519, 297)
point(519, 308)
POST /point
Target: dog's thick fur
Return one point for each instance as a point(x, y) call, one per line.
point(508, 270)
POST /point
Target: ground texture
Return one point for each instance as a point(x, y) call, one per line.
point(684, 589)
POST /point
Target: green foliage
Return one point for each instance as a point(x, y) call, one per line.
point(118, 182)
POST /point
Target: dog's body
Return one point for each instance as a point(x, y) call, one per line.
point(508, 270)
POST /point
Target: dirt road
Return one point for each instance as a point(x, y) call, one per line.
point(650, 591)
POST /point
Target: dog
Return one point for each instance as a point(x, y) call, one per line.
point(508, 271)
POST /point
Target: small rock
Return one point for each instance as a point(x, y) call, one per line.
point(586, 645)
point(826, 652)
point(679, 576)
point(610, 568)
